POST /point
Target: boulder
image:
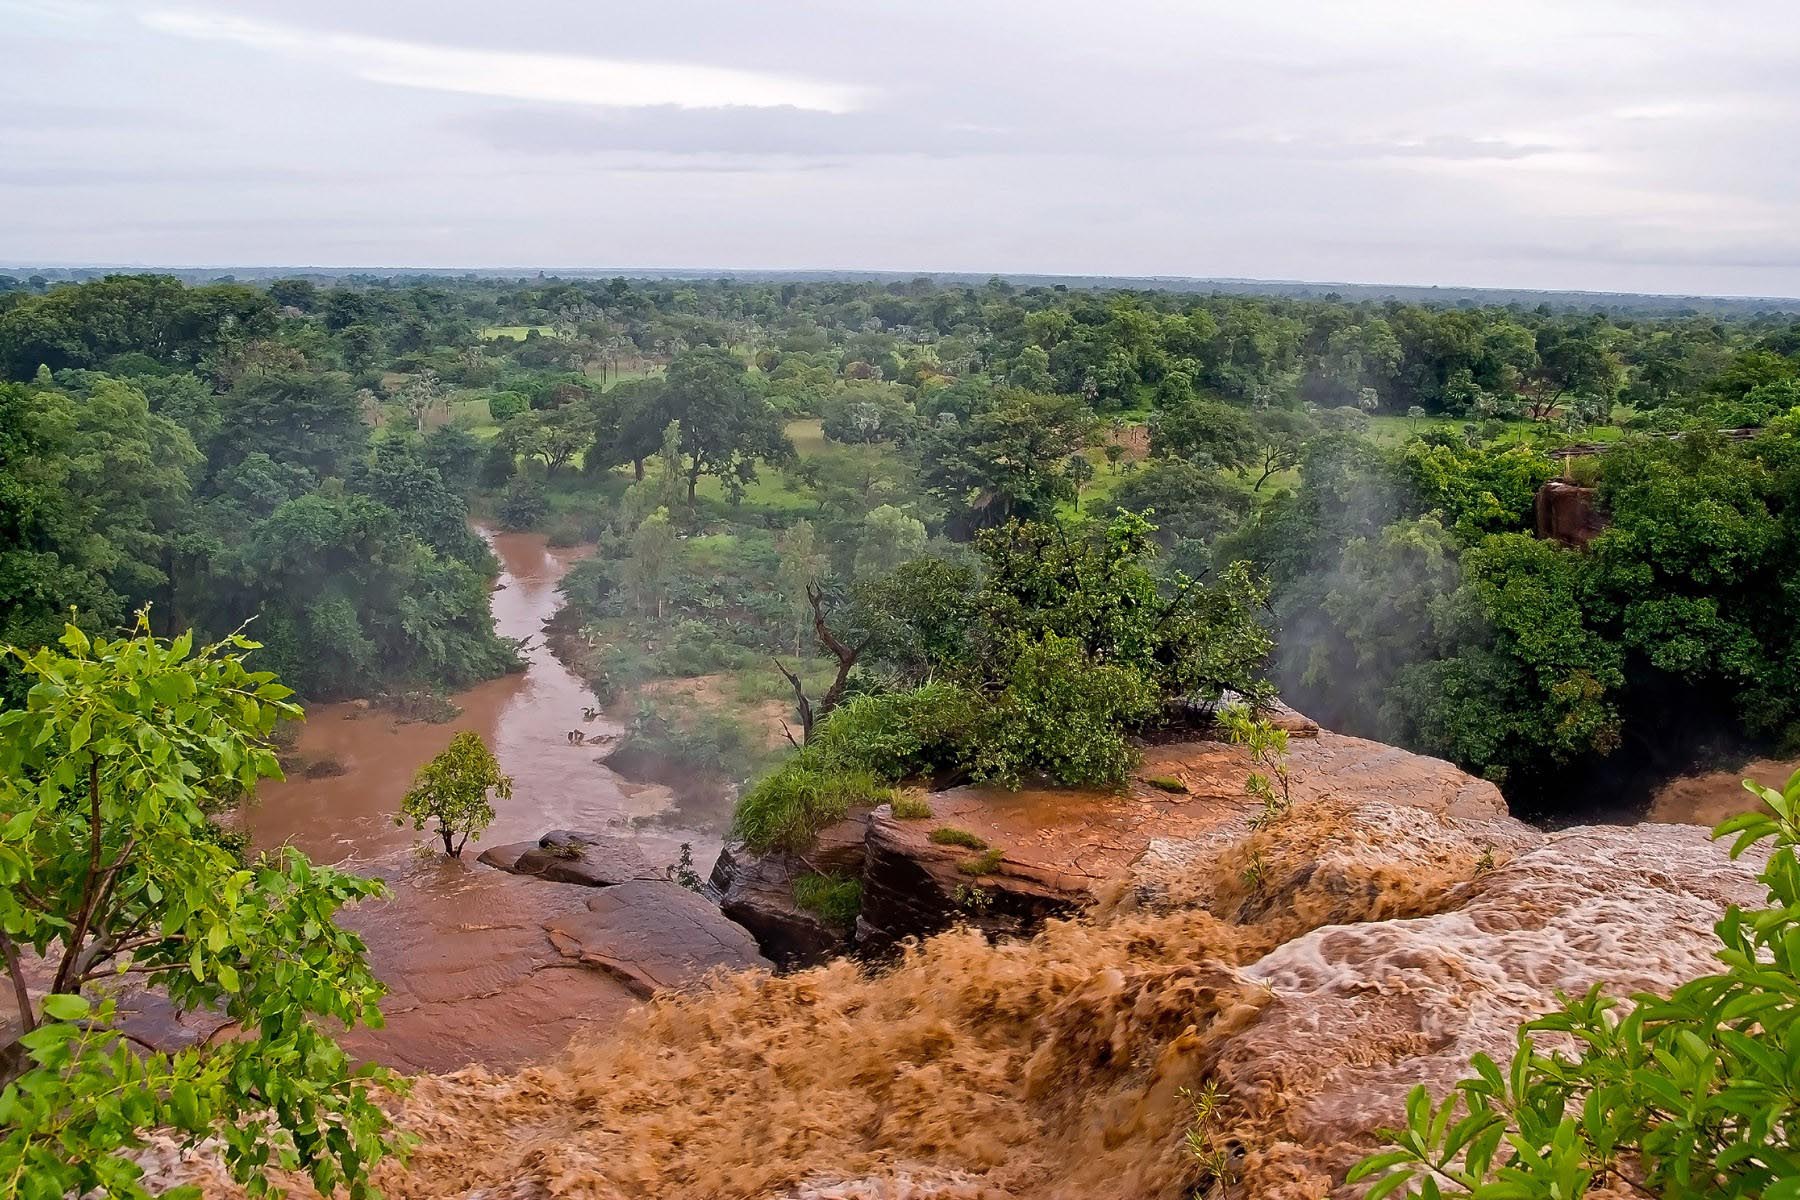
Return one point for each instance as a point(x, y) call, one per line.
point(572, 856)
point(757, 891)
point(653, 935)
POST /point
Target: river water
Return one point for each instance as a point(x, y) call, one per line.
point(460, 945)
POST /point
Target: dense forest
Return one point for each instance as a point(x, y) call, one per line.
point(896, 486)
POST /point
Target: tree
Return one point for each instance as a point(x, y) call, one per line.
point(110, 863)
point(1206, 432)
point(1010, 461)
point(293, 416)
point(652, 561)
point(452, 792)
point(553, 436)
point(726, 427)
point(889, 538)
point(421, 396)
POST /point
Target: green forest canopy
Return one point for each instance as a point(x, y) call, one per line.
point(307, 455)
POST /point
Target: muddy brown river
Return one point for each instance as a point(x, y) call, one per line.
point(472, 976)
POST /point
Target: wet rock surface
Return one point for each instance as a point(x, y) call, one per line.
point(572, 856)
point(1360, 1013)
point(652, 936)
point(1057, 847)
point(757, 891)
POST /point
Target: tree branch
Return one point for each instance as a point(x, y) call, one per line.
point(90, 888)
point(27, 1020)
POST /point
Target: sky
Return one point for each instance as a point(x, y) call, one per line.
point(1624, 145)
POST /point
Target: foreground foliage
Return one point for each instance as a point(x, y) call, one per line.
point(1685, 1097)
point(112, 871)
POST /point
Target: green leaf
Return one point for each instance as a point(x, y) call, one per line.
point(64, 1006)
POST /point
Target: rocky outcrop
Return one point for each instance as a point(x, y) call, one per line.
point(571, 856)
point(1049, 852)
point(1358, 1014)
point(652, 936)
point(1569, 514)
point(757, 891)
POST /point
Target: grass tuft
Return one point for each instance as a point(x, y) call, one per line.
point(949, 835)
point(909, 806)
point(836, 898)
point(981, 864)
point(1166, 783)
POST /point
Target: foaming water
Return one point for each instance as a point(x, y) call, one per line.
point(1380, 948)
point(460, 945)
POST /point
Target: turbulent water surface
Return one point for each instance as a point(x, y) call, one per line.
point(461, 945)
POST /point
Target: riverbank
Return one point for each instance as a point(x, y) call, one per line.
point(472, 977)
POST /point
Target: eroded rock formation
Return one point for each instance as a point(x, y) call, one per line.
point(1315, 966)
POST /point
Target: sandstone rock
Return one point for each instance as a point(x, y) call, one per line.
point(1058, 846)
point(571, 856)
point(1359, 1014)
point(757, 891)
point(653, 935)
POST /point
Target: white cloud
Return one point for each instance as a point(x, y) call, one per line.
point(546, 78)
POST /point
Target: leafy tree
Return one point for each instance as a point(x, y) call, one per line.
point(1187, 501)
point(651, 565)
point(551, 436)
point(726, 426)
point(1010, 461)
point(294, 417)
point(109, 862)
point(1206, 432)
point(451, 792)
point(1685, 1097)
point(889, 538)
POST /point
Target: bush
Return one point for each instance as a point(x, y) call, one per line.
point(524, 504)
point(786, 809)
point(904, 734)
point(1064, 715)
point(504, 406)
point(836, 898)
point(1685, 1097)
point(695, 648)
point(698, 739)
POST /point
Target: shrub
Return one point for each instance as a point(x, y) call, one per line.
point(523, 504)
point(786, 809)
point(451, 792)
point(903, 734)
point(1689, 1096)
point(1063, 715)
point(836, 898)
point(504, 406)
point(694, 648)
point(702, 740)
point(949, 835)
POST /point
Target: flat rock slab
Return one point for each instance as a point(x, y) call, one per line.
point(569, 856)
point(653, 935)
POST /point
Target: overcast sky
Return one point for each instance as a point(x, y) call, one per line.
point(1645, 145)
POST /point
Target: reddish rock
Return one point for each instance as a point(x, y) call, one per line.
point(570, 856)
point(1057, 846)
point(757, 891)
point(1569, 514)
point(653, 935)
